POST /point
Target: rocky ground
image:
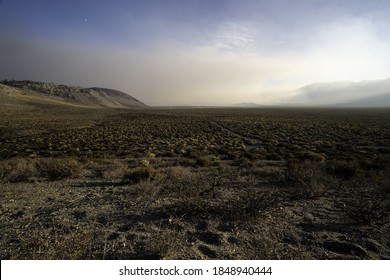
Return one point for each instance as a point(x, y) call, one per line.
point(194, 184)
point(186, 213)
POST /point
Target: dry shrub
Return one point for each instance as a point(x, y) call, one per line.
point(267, 171)
point(309, 181)
point(178, 173)
point(345, 170)
point(367, 212)
point(202, 161)
point(139, 174)
point(192, 191)
point(17, 170)
point(200, 158)
point(380, 177)
point(312, 156)
point(59, 168)
point(24, 169)
point(246, 163)
point(251, 203)
point(147, 192)
point(223, 167)
point(114, 170)
point(194, 199)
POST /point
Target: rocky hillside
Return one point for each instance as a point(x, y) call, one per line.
point(39, 92)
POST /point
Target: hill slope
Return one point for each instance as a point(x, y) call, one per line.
point(38, 93)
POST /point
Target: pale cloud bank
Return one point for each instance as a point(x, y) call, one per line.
point(233, 63)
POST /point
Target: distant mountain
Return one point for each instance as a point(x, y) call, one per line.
point(343, 93)
point(247, 105)
point(38, 93)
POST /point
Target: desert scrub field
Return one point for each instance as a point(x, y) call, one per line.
point(195, 184)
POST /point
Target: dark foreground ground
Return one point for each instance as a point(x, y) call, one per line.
point(195, 184)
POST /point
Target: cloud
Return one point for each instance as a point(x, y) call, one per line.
point(198, 76)
point(228, 65)
point(232, 37)
point(345, 49)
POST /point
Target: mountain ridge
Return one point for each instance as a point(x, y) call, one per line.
point(43, 93)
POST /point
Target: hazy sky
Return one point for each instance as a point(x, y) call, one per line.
point(205, 52)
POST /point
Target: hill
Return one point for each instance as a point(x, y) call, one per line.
point(39, 93)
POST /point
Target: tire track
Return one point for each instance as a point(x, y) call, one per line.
point(247, 138)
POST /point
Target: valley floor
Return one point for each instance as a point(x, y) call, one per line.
point(195, 184)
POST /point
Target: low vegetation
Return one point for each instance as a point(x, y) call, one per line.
point(26, 169)
point(195, 184)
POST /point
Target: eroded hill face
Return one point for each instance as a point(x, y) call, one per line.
point(29, 92)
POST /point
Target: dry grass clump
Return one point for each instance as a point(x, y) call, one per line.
point(118, 170)
point(380, 177)
point(114, 170)
point(178, 173)
point(17, 170)
point(246, 163)
point(251, 203)
point(312, 156)
point(192, 191)
point(309, 181)
point(139, 174)
point(200, 158)
point(147, 192)
point(273, 172)
point(202, 161)
point(367, 212)
point(345, 170)
point(269, 244)
point(25, 169)
point(59, 168)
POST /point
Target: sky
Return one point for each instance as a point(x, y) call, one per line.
point(199, 52)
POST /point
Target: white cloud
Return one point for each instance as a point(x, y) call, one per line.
point(347, 49)
point(233, 37)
